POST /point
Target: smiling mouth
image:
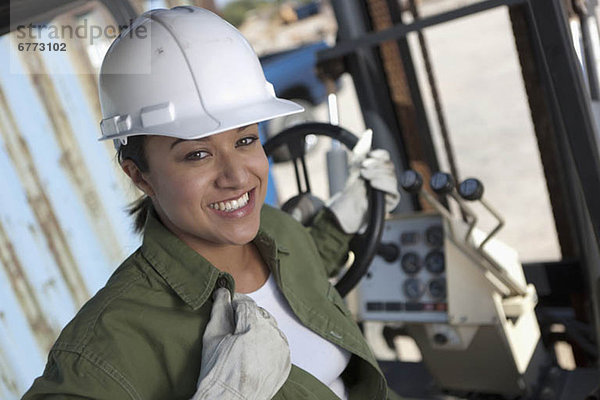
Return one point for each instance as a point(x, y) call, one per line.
point(231, 205)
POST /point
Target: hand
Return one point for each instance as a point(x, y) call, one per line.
point(244, 354)
point(351, 204)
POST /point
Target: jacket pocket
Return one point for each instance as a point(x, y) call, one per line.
point(334, 296)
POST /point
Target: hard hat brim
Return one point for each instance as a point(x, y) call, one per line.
point(254, 113)
point(223, 120)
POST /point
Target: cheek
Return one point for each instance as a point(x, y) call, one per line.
point(264, 168)
point(182, 192)
point(260, 167)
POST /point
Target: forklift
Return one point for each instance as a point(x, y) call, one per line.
point(481, 318)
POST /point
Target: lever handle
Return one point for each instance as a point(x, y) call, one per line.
point(411, 181)
point(388, 251)
point(471, 189)
point(442, 183)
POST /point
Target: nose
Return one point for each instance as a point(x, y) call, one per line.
point(233, 172)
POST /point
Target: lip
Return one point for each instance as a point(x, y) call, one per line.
point(240, 212)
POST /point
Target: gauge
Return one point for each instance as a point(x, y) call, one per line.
point(435, 236)
point(437, 288)
point(410, 263)
point(434, 262)
point(413, 288)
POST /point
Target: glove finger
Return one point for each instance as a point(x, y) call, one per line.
point(219, 327)
point(265, 316)
point(386, 182)
point(391, 201)
point(350, 206)
point(375, 163)
point(376, 159)
point(245, 313)
point(383, 172)
point(378, 172)
point(266, 322)
point(362, 147)
point(379, 154)
point(221, 315)
point(240, 298)
point(388, 186)
point(381, 178)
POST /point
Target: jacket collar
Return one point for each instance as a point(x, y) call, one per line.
point(189, 274)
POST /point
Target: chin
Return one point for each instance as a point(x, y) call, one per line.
point(243, 236)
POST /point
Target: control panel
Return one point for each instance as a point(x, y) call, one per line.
point(427, 263)
point(407, 279)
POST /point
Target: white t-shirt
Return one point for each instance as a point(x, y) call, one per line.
point(324, 360)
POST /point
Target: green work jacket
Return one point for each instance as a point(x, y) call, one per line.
point(140, 337)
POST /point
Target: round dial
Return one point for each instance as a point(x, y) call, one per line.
point(435, 236)
point(413, 288)
point(434, 262)
point(437, 288)
point(411, 264)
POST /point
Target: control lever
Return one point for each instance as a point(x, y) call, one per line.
point(388, 251)
point(443, 184)
point(471, 189)
point(412, 182)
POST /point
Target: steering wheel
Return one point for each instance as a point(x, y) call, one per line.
point(364, 246)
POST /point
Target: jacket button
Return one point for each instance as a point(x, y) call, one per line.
point(335, 335)
point(222, 282)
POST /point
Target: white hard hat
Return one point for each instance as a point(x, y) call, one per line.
point(186, 73)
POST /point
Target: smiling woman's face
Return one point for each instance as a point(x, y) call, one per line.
point(208, 191)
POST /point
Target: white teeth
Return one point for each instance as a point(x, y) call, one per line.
point(231, 205)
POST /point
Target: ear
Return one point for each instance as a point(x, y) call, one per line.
point(137, 177)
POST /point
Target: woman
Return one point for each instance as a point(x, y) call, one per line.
point(182, 102)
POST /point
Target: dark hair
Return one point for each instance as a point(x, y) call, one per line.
point(134, 151)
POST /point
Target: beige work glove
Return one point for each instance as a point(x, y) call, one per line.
point(244, 355)
point(350, 206)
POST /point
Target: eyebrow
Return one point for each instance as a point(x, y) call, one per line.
point(204, 139)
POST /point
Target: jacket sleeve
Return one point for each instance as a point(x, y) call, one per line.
point(69, 375)
point(394, 396)
point(332, 243)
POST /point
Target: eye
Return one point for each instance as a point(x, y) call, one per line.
point(246, 141)
point(197, 155)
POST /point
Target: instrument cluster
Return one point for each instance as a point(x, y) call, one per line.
point(411, 284)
